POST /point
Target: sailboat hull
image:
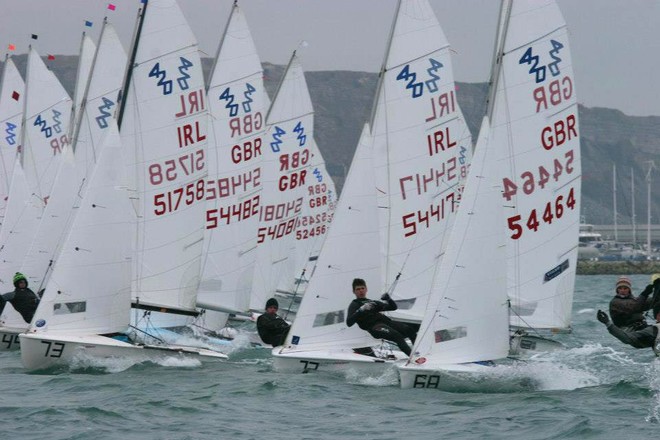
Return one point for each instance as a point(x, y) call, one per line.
point(9, 340)
point(42, 350)
point(526, 345)
point(444, 377)
point(334, 361)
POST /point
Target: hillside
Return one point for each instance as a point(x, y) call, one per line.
point(343, 100)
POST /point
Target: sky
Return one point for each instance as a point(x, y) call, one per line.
point(615, 43)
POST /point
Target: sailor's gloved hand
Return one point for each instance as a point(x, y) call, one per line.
point(647, 290)
point(366, 307)
point(602, 317)
point(385, 297)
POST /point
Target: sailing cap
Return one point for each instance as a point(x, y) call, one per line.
point(18, 277)
point(623, 281)
point(272, 302)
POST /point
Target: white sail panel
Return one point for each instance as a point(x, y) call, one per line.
point(351, 250)
point(286, 171)
point(97, 103)
point(100, 103)
point(45, 135)
point(12, 96)
point(237, 103)
point(90, 287)
point(164, 127)
point(319, 204)
point(421, 155)
point(85, 61)
point(536, 113)
point(467, 317)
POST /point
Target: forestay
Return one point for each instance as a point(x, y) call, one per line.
point(422, 152)
point(536, 115)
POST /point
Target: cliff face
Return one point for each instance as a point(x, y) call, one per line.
point(343, 100)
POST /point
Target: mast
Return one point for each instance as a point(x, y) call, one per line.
point(77, 114)
point(222, 40)
point(496, 67)
point(279, 86)
point(648, 208)
point(632, 189)
point(129, 70)
point(383, 68)
point(616, 230)
point(74, 110)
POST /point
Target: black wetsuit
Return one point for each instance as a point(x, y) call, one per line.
point(25, 301)
point(644, 338)
point(378, 325)
point(272, 329)
point(627, 312)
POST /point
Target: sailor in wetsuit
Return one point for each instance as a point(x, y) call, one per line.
point(272, 329)
point(367, 314)
point(24, 300)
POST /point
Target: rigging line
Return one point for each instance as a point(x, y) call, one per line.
point(295, 293)
point(525, 322)
point(146, 333)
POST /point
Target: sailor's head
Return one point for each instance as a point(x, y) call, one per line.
point(623, 286)
point(20, 282)
point(272, 305)
point(359, 288)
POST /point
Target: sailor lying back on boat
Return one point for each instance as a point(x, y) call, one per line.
point(367, 314)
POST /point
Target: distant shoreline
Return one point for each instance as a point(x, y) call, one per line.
point(628, 267)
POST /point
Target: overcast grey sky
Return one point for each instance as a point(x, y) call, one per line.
point(615, 43)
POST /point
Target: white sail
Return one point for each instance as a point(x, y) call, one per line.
point(287, 157)
point(536, 114)
point(320, 199)
point(97, 101)
point(351, 250)
point(90, 287)
point(237, 104)
point(164, 128)
point(422, 150)
point(85, 61)
point(46, 121)
point(47, 117)
point(100, 98)
point(20, 222)
point(467, 316)
point(12, 95)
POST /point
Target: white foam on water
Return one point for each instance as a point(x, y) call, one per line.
point(387, 378)
point(652, 372)
point(584, 311)
point(178, 361)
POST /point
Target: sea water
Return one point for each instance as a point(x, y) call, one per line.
point(597, 388)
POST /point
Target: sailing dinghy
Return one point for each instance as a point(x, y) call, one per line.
point(536, 114)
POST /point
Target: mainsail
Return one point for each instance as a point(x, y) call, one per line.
point(422, 150)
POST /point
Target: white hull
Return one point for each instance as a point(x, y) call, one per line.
point(335, 361)
point(9, 340)
point(444, 377)
point(525, 345)
point(43, 350)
